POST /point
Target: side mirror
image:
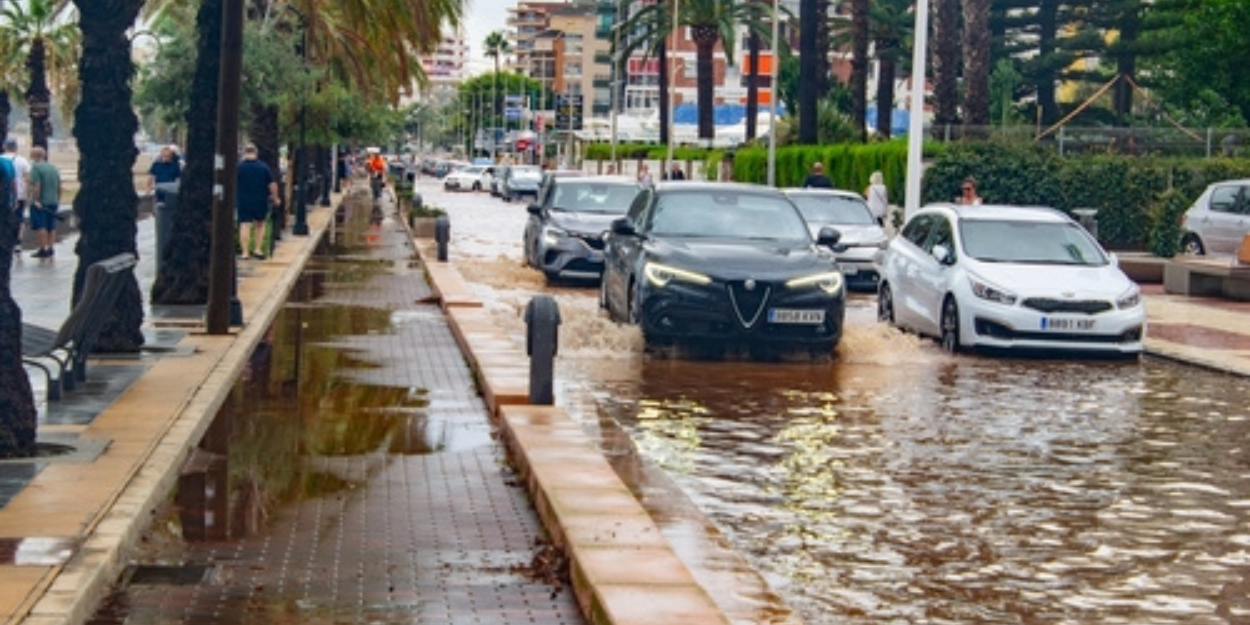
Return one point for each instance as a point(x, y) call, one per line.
point(624, 226)
point(534, 209)
point(828, 236)
point(943, 254)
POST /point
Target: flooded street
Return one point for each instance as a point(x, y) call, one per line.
point(898, 484)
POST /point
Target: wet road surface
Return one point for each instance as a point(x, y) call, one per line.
point(901, 485)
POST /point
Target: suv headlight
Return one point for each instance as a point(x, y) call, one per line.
point(987, 291)
point(661, 275)
point(1129, 299)
point(829, 282)
point(551, 236)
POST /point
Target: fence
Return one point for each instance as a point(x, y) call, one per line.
point(1138, 141)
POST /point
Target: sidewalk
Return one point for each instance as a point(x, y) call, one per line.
point(69, 526)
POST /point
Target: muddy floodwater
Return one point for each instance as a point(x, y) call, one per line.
point(897, 484)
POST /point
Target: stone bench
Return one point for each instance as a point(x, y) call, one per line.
point(1218, 277)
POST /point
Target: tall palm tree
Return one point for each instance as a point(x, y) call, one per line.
point(50, 44)
point(859, 34)
point(977, 62)
point(891, 24)
point(811, 60)
point(945, 61)
point(711, 22)
point(496, 47)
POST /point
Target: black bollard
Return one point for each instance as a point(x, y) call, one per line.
point(442, 235)
point(542, 335)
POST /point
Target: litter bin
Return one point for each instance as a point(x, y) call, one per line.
point(166, 206)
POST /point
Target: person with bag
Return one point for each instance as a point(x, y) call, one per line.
point(256, 189)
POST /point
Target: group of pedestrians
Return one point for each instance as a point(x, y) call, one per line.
point(33, 185)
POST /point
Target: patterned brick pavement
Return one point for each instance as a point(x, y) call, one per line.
point(440, 536)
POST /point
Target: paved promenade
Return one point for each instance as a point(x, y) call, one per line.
point(446, 538)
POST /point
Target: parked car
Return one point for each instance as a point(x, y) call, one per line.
point(723, 263)
point(520, 180)
point(861, 237)
point(496, 181)
point(564, 234)
point(1219, 220)
point(1008, 277)
point(553, 174)
point(469, 178)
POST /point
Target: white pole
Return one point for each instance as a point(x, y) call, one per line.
point(772, 98)
point(672, 90)
point(915, 125)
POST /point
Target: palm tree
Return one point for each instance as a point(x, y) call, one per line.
point(945, 61)
point(711, 22)
point(810, 65)
point(496, 46)
point(860, 33)
point(50, 45)
point(976, 62)
point(891, 24)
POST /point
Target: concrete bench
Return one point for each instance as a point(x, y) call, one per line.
point(1218, 277)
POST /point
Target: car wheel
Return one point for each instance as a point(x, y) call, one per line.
point(477, 186)
point(1192, 245)
point(885, 305)
point(950, 326)
point(603, 296)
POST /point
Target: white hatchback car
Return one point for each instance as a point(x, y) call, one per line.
point(1008, 277)
point(1219, 220)
point(469, 178)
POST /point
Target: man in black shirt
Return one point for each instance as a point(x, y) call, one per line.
point(256, 187)
point(817, 178)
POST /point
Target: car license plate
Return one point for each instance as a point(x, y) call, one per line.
point(1067, 324)
point(789, 315)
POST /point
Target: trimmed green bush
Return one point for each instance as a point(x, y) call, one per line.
point(1165, 236)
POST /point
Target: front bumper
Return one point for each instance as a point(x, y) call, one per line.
point(725, 312)
point(1018, 327)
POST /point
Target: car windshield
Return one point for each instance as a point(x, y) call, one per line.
point(833, 209)
point(727, 214)
point(526, 173)
point(1029, 242)
point(594, 197)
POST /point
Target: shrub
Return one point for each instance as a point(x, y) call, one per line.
point(1165, 235)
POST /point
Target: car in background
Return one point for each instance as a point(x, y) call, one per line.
point(469, 178)
point(861, 237)
point(520, 180)
point(564, 235)
point(1219, 220)
point(1008, 277)
point(724, 264)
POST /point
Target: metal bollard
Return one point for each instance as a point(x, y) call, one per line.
point(542, 336)
point(442, 235)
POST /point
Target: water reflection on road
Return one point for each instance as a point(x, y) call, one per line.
point(901, 485)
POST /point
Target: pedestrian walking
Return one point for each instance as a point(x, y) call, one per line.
point(19, 177)
point(644, 175)
point(878, 197)
point(256, 189)
point(166, 168)
point(817, 178)
point(676, 173)
point(44, 191)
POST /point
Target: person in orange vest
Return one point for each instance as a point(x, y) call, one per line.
point(377, 168)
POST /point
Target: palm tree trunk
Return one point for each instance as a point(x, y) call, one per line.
point(809, 65)
point(183, 275)
point(976, 62)
point(664, 94)
point(38, 97)
point(705, 85)
point(945, 62)
point(753, 84)
point(859, 66)
point(1047, 43)
point(105, 124)
point(18, 417)
point(885, 93)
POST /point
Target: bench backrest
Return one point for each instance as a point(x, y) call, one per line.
point(101, 288)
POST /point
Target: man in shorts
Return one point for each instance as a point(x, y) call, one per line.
point(256, 187)
point(21, 168)
point(44, 194)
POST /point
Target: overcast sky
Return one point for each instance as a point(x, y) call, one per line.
point(482, 17)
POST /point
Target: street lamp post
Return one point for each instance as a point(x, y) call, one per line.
point(300, 227)
point(915, 123)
